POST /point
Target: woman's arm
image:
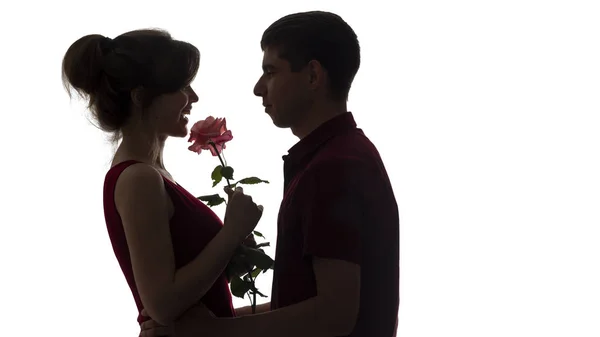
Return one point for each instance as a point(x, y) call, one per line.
point(143, 205)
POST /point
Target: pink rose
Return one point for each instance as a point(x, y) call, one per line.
point(209, 130)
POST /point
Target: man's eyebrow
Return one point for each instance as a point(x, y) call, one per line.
point(268, 66)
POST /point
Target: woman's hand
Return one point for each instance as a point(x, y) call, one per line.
point(242, 214)
point(250, 241)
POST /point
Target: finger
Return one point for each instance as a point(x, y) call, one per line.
point(228, 191)
point(260, 208)
point(151, 328)
point(150, 324)
point(157, 332)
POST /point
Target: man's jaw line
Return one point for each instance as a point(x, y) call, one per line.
point(317, 118)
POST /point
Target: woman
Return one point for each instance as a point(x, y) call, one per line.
point(171, 247)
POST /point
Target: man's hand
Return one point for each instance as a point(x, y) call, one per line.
point(195, 322)
point(151, 328)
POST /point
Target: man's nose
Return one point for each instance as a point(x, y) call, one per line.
point(259, 88)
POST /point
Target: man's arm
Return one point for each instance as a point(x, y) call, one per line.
point(332, 312)
point(333, 216)
point(247, 310)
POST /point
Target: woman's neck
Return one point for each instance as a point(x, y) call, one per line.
point(141, 147)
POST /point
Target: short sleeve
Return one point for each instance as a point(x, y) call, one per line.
point(334, 210)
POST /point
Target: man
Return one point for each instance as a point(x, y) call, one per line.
point(336, 267)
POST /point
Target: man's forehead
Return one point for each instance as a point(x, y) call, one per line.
point(271, 57)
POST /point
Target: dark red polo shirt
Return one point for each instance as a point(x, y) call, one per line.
point(338, 203)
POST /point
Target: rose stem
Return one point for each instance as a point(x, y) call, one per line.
point(221, 160)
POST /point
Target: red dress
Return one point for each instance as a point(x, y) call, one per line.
point(193, 225)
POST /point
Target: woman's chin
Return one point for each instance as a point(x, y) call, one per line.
point(181, 133)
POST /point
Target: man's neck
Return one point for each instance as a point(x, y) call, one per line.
point(317, 117)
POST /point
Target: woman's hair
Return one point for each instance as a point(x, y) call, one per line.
point(105, 71)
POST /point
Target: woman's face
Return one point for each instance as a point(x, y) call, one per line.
point(168, 112)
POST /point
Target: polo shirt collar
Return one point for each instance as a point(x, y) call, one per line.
point(335, 126)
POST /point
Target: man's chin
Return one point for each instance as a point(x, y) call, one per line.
point(279, 123)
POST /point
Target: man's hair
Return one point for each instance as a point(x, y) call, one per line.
point(322, 36)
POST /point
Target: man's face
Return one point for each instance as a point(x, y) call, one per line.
point(286, 95)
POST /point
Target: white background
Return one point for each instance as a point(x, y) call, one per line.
point(486, 114)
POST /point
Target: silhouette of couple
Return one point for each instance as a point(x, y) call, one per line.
point(336, 269)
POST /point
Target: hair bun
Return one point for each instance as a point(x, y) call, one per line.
point(83, 63)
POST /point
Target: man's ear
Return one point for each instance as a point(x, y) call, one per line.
point(137, 97)
point(316, 74)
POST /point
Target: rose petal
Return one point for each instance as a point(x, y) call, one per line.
point(207, 130)
point(196, 147)
point(202, 125)
point(222, 139)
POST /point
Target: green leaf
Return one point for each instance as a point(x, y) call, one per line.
point(236, 267)
point(254, 290)
point(239, 287)
point(259, 234)
point(251, 181)
point(240, 251)
point(212, 200)
point(232, 270)
point(264, 244)
point(227, 172)
point(259, 258)
point(216, 175)
point(255, 273)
